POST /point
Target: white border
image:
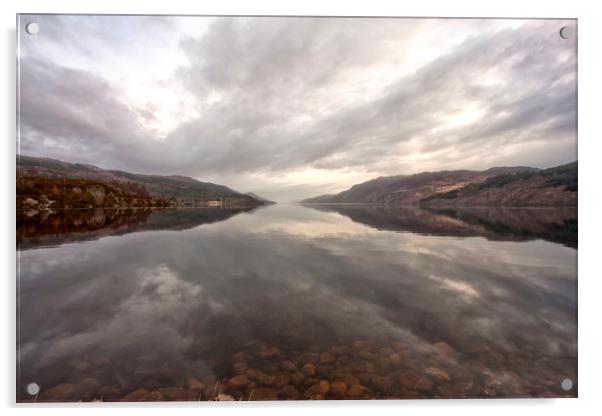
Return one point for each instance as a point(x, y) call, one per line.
point(590, 117)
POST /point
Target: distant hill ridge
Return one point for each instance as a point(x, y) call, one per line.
point(165, 187)
point(555, 186)
point(497, 186)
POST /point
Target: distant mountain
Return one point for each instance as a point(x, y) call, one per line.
point(411, 189)
point(549, 187)
point(182, 189)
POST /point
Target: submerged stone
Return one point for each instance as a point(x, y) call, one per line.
point(267, 352)
point(109, 394)
point(408, 380)
point(437, 373)
point(271, 368)
point(264, 393)
point(136, 395)
point(281, 380)
point(266, 379)
point(253, 373)
point(350, 380)
point(424, 383)
point(193, 395)
point(324, 385)
point(173, 393)
point(238, 382)
point(340, 349)
point(357, 391)
point(297, 378)
point(326, 358)
point(309, 358)
point(212, 391)
point(395, 359)
point(308, 369)
point(443, 349)
point(239, 357)
point(87, 389)
point(384, 364)
point(359, 344)
point(154, 396)
point(195, 384)
point(311, 380)
point(59, 393)
point(209, 380)
point(338, 387)
point(386, 351)
point(288, 366)
point(240, 367)
point(317, 391)
point(223, 398)
point(288, 392)
point(382, 383)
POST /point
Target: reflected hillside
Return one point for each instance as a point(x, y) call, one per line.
point(49, 229)
point(558, 225)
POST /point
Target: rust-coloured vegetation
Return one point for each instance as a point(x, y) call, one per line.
point(38, 192)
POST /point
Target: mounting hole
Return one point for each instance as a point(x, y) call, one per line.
point(32, 28)
point(33, 389)
point(566, 32)
point(566, 384)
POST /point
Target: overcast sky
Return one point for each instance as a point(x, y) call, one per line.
point(290, 108)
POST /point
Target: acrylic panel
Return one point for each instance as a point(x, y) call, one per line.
point(214, 208)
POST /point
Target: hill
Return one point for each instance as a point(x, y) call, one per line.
point(67, 181)
point(411, 189)
point(549, 187)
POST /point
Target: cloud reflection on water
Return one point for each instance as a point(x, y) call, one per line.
point(164, 306)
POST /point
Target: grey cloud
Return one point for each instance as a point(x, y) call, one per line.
point(526, 58)
point(74, 115)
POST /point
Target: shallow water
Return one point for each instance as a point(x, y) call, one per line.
point(298, 301)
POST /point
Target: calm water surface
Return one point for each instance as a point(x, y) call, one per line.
point(291, 301)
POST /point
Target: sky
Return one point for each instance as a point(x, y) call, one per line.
point(290, 108)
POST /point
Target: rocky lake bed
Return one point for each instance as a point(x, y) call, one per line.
point(361, 370)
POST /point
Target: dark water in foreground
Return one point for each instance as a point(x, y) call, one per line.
point(299, 302)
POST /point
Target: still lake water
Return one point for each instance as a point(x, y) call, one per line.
point(379, 302)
